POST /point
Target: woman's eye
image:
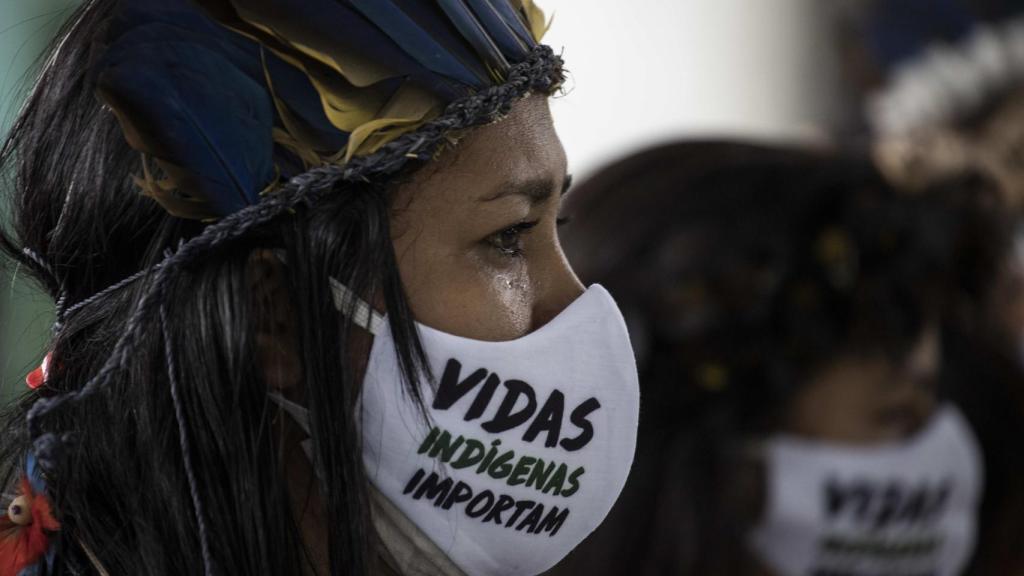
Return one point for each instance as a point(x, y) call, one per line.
point(509, 242)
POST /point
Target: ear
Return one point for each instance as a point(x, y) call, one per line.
point(277, 329)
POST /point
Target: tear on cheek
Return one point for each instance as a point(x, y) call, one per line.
point(508, 283)
point(513, 305)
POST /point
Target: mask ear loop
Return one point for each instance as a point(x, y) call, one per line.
point(301, 416)
point(298, 413)
point(350, 304)
point(362, 314)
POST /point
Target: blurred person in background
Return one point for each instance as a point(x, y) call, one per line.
point(790, 312)
point(943, 91)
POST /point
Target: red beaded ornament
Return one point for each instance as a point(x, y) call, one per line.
point(37, 377)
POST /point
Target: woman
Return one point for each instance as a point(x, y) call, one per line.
point(789, 311)
point(943, 88)
point(313, 316)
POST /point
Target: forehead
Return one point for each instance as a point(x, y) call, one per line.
point(524, 138)
point(521, 147)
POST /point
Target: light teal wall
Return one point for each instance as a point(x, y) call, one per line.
point(26, 27)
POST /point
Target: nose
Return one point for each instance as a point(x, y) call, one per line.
point(557, 287)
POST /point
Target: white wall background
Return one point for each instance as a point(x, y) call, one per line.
point(645, 71)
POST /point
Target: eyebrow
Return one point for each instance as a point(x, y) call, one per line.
point(536, 191)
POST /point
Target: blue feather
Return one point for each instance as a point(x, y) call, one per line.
point(173, 20)
point(34, 474)
point(463, 19)
point(188, 106)
point(510, 43)
point(140, 23)
point(332, 26)
point(296, 92)
point(427, 17)
point(287, 163)
point(420, 42)
point(514, 19)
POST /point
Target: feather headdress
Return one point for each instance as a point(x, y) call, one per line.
point(224, 99)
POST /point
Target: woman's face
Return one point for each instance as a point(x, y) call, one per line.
point(475, 232)
point(869, 399)
point(854, 400)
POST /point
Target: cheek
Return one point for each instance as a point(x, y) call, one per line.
point(830, 411)
point(467, 296)
point(508, 294)
point(501, 306)
point(841, 406)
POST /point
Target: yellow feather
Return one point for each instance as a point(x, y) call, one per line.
point(357, 70)
point(294, 136)
point(349, 100)
point(310, 157)
point(539, 24)
point(408, 109)
point(351, 93)
point(167, 191)
point(351, 96)
point(348, 107)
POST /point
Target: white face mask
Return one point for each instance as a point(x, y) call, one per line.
point(528, 443)
point(903, 509)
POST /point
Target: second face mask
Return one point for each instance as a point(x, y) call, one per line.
point(901, 509)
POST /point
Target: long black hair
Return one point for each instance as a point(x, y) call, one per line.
point(742, 270)
point(120, 486)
